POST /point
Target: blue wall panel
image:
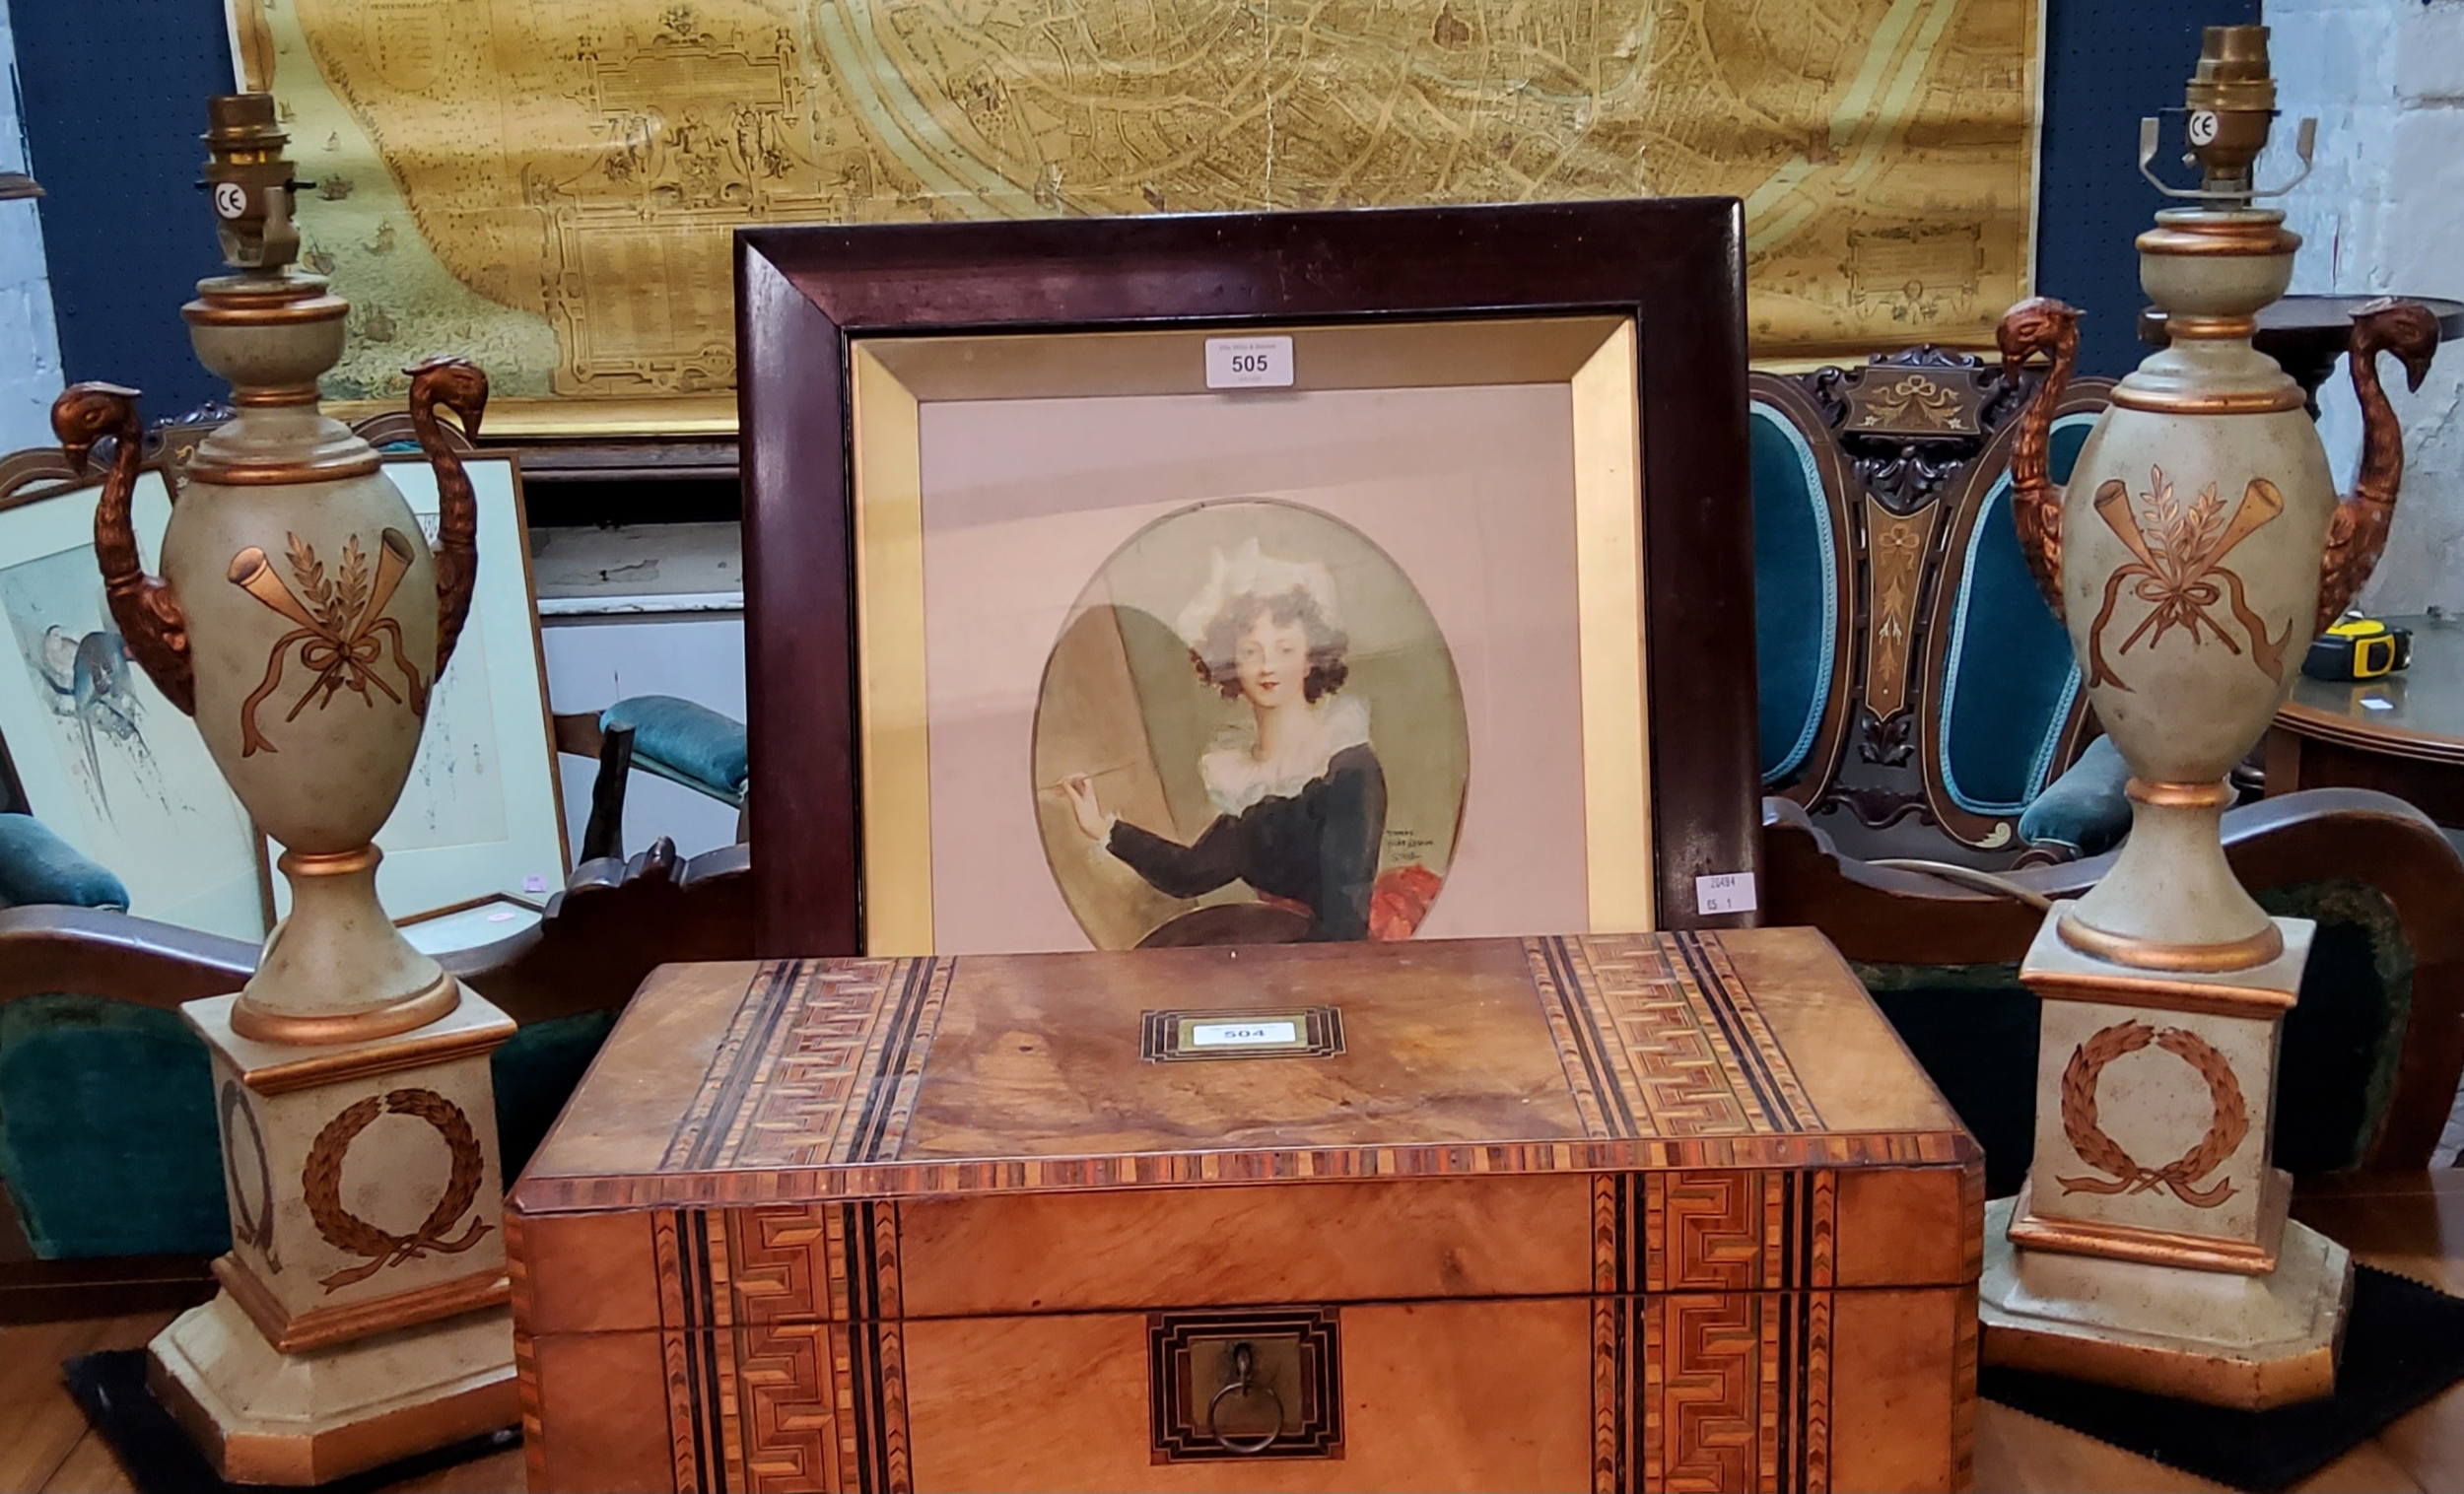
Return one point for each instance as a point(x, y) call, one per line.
point(2108, 63)
point(115, 94)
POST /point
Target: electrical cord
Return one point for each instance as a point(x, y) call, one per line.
point(1969, 876)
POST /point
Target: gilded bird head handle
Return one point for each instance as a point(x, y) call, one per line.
point(2357, 534)
point(457, 384)
point(2039, 326)
point(149, 616)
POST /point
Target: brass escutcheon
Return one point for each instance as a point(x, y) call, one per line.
point(1244, 1382)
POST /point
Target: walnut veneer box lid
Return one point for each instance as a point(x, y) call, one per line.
point(800, 1080)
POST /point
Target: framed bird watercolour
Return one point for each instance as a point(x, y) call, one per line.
point(98, 754)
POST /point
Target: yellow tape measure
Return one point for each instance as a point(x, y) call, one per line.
point(2359, 649)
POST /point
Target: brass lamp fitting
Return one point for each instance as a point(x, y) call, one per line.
point(2228, 106)
point(2231, 101)
point(250, 181)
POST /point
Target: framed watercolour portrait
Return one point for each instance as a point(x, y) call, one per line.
point(1219, 580)
point(482, 813)
point(102, 758)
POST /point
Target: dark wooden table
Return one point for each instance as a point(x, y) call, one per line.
point(2400, 733)
point(2307, 334)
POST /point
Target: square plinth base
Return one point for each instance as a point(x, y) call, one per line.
point(2220, 1337)
point(261, 1416)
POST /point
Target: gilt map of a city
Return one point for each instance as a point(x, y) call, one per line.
point(548, 186)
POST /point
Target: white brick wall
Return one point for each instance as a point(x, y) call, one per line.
point(2385, 213)
point(30, 343)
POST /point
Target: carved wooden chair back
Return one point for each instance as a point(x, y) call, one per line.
point(1914, 686)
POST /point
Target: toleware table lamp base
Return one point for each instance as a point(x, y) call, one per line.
point(2150, 1247)
point(304, 621)
point(2197, 548)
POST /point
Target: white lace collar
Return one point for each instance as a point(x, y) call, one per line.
point(1236, 777)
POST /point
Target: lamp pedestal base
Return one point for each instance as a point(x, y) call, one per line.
point(362, 1315)
point(2220, 1337)
point(263, 1416)
point(2150, 1248)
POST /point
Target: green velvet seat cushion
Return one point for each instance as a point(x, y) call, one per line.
point(1795, 601)
point(107, 1139)
point(1974, 1028)
point(106, 1130)
point(536, 1073)
point(2010, 681)
point(37, 866)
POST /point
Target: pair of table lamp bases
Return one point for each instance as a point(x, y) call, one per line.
point(363, 1313)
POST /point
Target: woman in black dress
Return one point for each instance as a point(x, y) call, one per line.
point(1300, 799)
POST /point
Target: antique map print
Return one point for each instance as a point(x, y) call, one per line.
point(549, 185)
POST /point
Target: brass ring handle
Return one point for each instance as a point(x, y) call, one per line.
point(1244, 1381)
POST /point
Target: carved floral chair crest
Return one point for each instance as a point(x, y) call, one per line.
point(1910, 672)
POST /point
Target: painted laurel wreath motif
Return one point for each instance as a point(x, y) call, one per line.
point(2230, 1122)
point(348, 1232)
point(252, 1223)
point(2180, 568)
point(340, 620)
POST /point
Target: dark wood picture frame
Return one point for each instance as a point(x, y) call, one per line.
point(803, 293)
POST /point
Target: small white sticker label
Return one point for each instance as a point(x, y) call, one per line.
point(2203, 126)
point(534, 884)
point(2372, 702)
point(1728, 892)
point(1248, 363)
point(231, 199)
point(1242, 1033)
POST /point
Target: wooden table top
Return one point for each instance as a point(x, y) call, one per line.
point(2417, 712)
point(2410, 1223)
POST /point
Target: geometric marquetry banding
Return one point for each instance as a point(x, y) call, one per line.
point(1658, 1038)
point(782, 1347)
point(1711, 1365)
point(819, 1067)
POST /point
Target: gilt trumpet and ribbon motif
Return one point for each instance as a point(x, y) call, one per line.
point(2179, 569)
point(342, 629)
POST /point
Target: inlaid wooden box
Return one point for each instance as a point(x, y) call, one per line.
point(1662, 1211)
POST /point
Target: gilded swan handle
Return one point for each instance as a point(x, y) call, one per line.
point(2357, 534)
point(457, 384)
point(2039, 324)
point(149, 619)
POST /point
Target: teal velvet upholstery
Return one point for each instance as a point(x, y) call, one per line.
point(534, 1074)
point(37, 866)
point(2085, 809)
point(690, 744)
point(1796, 603)
point(106, 1130)
point(107, 1140)
point(1974, 1028)
point(2010, 681)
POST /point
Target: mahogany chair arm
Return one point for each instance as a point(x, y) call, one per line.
point(614, 922)
point(99, 952)
point(1884, 915)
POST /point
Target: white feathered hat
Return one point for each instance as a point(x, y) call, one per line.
point(1248, 573)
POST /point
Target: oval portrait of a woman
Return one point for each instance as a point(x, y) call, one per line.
point(1249, 730)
